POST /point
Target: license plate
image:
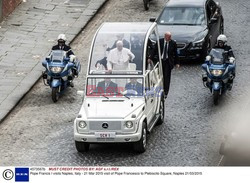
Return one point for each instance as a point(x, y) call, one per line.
point(104, 135)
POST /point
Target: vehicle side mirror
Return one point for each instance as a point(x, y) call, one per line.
point(47, 58)
point(152, 19)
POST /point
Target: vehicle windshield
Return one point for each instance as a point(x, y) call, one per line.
point(182, 16)
point(118, 49)
point(218, 56)
point(114, 87)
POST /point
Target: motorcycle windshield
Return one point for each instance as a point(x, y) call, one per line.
point(57, 56)
point(218, 56)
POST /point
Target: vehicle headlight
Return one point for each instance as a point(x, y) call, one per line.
point(82, 124)
point(217, 72)
point(129, 124)
point(198, 43)
point(56, 69)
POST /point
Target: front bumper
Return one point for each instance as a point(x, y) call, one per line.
point(187, 54)
point(186, 51)
point(119, 138)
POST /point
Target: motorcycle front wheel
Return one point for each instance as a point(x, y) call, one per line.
point(146, 4)
point(55, 94)
point(216, 97)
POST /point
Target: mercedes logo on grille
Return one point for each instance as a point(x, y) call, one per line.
point(105, 125)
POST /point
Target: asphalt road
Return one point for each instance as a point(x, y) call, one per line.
point(39, 132)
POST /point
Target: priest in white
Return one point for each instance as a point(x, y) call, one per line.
point(119, 57)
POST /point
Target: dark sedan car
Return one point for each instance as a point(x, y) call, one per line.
point(194, 24)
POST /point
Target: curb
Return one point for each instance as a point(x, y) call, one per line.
point(33, 77)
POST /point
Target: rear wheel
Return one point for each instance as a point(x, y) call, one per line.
point(146, 4)
point(82, 146)
point(216, 97)
point(161, 112)
point(55, 94)
point(140, 146)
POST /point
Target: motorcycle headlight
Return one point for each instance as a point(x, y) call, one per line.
point(82, 124)
point(217, 72)
point(56, 69)
point(129, 124)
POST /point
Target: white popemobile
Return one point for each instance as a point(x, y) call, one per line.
point(123, 98)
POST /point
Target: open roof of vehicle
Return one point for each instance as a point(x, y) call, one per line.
point(185, 3)
point(125, 27)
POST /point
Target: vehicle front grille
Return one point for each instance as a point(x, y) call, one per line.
point(98, 125)
point(181, 45)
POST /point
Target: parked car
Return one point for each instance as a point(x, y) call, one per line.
point(194, 24)
point(121, 104)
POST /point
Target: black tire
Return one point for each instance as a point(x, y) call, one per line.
point(146, 4)
point(216, 97)
point(82, 146)
point(161, 112)
point(55, 94)
point(140, 146)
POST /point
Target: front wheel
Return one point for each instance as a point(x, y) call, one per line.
point(216, 97)
point(146, 4)
point(140, 146)
point(55, 94)
point(82, 146)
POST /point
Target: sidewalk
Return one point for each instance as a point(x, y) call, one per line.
point(26, 37)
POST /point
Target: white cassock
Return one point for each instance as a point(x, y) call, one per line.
point(119, 60)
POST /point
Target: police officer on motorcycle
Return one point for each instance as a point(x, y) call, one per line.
point(222, 44)
point(61, 40)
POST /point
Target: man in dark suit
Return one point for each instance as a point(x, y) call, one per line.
point(106, 86)
point(169, 58)
point(134, 85)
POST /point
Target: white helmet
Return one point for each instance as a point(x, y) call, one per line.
point(222, 38)
point(62, 37)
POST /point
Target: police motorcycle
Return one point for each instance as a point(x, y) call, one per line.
point(60, 72)
point(220, 72)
